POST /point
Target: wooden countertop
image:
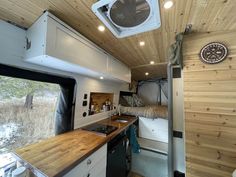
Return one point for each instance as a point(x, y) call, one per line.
point(58, 155)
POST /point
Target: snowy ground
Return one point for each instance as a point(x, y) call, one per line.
point(8, 133)
point(20, 126)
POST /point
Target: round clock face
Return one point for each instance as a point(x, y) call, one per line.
point(213, 53)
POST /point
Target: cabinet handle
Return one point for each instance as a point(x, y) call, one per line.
point(88, 175)
point(89, 162)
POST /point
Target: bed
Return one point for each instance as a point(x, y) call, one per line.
point(153, 112)
point(131, 104)
point(153, 122)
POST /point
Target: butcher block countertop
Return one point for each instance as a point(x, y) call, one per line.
point(58, 155)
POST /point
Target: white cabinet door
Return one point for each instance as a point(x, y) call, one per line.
point(97, 158)
point(153, 129)
point(79, 171)
point(119, 70)
point(65, 44)
point(99, 170)
point(93, 166)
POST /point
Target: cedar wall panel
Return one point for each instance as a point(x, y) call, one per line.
point(210, 108)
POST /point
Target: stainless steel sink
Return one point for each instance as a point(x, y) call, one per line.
point(121, 120)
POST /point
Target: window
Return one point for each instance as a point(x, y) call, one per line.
point(33, 107)
point(27, 111)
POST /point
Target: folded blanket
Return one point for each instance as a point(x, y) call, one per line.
point(153, 112)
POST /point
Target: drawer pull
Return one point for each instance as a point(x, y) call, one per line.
point(89, 162)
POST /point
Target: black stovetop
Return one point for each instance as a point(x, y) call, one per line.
point(100, 128)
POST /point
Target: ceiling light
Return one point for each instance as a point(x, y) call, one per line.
point(146, 74)
point(101, 77)
point(168, 4)
point(142, 43)
point(101, 28)
point(152, 62)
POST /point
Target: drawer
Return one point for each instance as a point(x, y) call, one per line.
point(78, 171)
point(99, 170)
point(98, 159)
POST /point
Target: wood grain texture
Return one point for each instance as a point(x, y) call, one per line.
point(204, 15)
point(58, 155)
point(210, 107)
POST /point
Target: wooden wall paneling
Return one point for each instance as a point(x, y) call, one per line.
point(213, 119)
point(210, 107)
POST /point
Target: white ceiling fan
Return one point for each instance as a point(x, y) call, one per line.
point(128, 17)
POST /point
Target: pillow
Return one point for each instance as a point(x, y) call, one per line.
point(129, 100)
point(137, 101)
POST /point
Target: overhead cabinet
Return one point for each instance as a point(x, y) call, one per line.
point(118, 70)
point(52, 43)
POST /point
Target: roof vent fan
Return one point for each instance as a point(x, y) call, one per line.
point(128, 17)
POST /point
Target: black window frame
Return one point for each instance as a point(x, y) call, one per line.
point(68, 91)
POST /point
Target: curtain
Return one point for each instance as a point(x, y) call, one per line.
point(64, 112)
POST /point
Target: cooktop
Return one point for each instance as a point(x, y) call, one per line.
point(100, 128)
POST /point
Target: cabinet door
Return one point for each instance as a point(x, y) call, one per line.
point(92, 166)
point(99, 170)
point(102, 173)
point(96, 158)
point(118, 70)
point(79, 171)
point(153, 129)
point(69, 46)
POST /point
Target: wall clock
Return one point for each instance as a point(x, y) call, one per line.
point(213, 53)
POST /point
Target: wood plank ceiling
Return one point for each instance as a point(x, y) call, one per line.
point(204, 15)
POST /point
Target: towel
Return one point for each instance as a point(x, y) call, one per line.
point(133, 139)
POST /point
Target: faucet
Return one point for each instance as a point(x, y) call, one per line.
point(118, 109)
point(111, 113)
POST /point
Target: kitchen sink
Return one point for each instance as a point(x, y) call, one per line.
point(121, 120)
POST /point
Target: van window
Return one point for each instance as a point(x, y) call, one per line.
point(27, 112)
point(33, 106)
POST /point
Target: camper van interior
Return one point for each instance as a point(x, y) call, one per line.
point(117, 88)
